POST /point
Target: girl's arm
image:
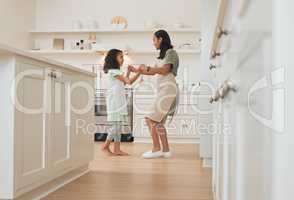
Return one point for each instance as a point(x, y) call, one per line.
point(163, 70)
point(129, 71)
point(127, 80)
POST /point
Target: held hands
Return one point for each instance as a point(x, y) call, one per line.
point(135, 77)
point(132, 69)
point(140, 69)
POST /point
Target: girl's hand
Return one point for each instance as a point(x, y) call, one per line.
point(132, 68)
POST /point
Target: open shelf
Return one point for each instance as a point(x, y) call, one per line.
point(80, 31)
point(102, 52)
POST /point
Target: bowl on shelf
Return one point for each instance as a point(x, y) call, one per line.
point(119, 23)
point(180, 25)
point(77, 24)
point(92, 24)
point(150, 24)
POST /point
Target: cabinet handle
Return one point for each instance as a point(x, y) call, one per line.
point(215, 97)
point(212, 66)
point(50, 74)
point(222, 32)
point(226, 88)
point(185, 126)
point(215, 54)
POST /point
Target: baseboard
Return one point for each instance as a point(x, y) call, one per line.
point(171, 140)
point(54, 185)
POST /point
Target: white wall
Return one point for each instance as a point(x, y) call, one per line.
point(208, 13)
point(60, 13)
point(283, 143)
point(208, 23)
point(17, 17)
point(57, 14)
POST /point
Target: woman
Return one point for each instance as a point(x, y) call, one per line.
point(165, 102)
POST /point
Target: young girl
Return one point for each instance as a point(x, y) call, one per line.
point(116, 98)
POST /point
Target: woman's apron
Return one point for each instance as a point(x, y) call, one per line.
point(167, 98)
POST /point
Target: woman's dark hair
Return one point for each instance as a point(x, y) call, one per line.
point(110, 61)
point(165, 43)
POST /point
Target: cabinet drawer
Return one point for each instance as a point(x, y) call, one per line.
point(186, 126)
point(188, 99)
point(187, 110)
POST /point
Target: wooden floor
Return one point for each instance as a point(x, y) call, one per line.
point(133, 178)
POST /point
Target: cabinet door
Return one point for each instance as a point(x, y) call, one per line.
point(255, 103)
point(31, 125)
point(60, 133)
point(83, 120)
point(244, 152)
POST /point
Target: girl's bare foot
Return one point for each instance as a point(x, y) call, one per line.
point(117, 151)
point(107, 151)
point(105, 148)
point(120, 153)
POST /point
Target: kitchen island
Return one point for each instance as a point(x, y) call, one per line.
point(46, 124)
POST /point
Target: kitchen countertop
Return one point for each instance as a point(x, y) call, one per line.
point(5, 49)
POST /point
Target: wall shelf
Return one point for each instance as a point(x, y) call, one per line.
point(62, 51)
point(48, 52)
point(113, 31)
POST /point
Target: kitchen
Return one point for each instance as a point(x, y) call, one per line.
point(51, 61)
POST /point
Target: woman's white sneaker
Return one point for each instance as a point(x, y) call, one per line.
point(150, 154)
point(167, 154)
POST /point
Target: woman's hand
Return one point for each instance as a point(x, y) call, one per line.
point(133, 69)
point(142, 68)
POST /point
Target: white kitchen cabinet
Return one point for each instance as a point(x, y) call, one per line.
point(60, 140)
point(32, 127)
point(243, 146)
point(82, 123)
point(43, 138)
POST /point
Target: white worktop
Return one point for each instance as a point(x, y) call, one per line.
point(5, 49)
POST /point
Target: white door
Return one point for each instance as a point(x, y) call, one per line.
point(31, 124)
point(60, 139)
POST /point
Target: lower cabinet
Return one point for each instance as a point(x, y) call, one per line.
point(60, 140)
point(31, 125)
point(52, 118)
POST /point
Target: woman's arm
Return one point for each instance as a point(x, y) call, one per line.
point(142, 71)
point(163, 70)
